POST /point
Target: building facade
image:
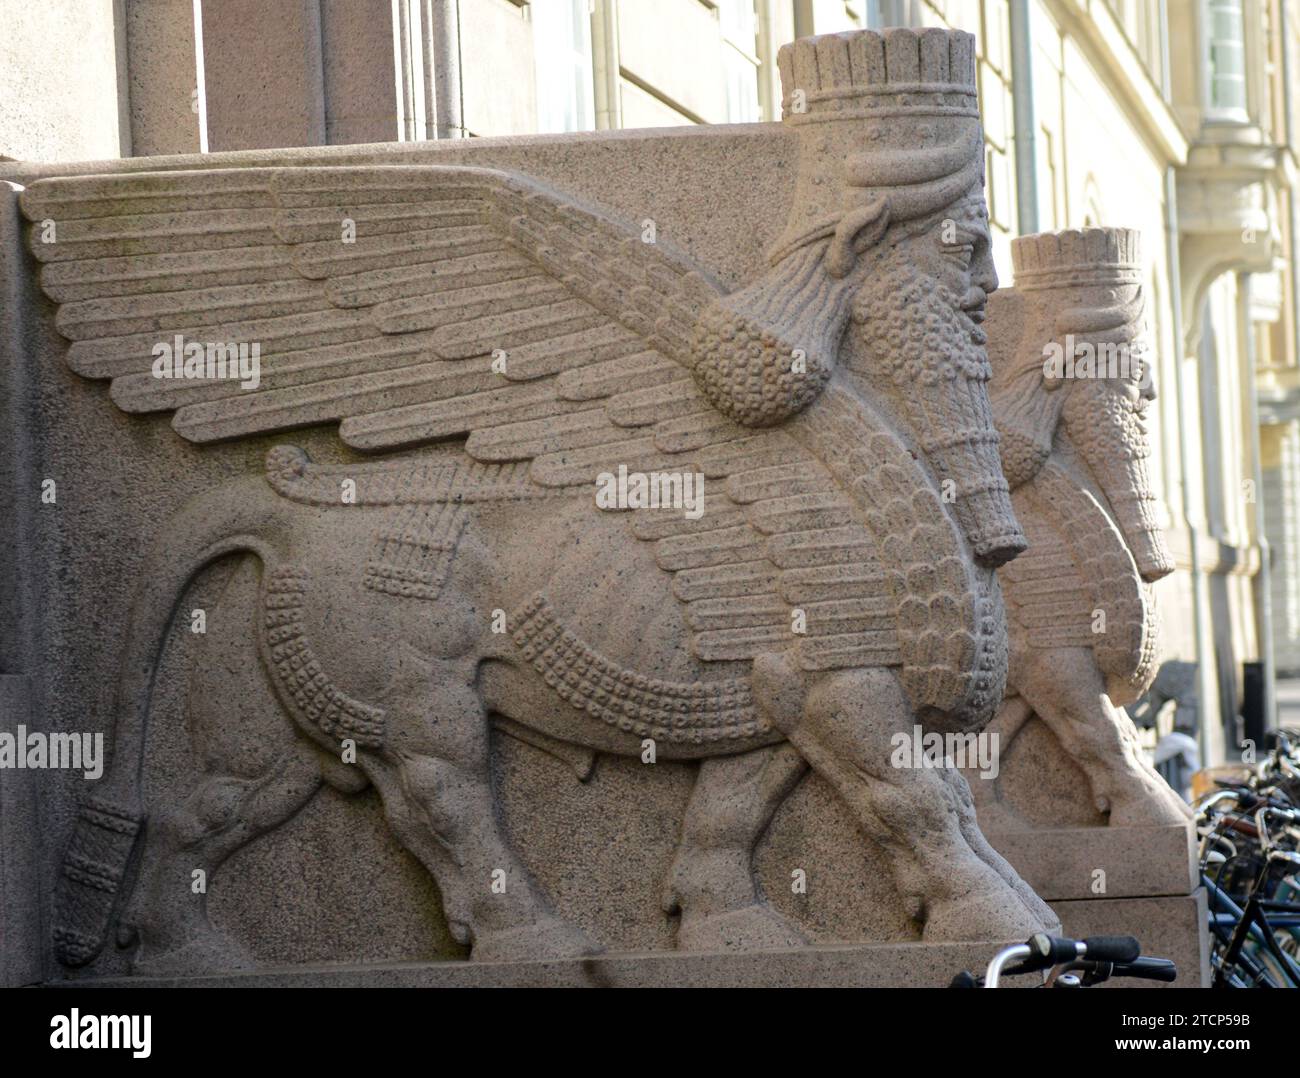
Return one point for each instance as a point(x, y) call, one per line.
point(1175, 117)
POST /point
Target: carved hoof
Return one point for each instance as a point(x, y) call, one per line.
point(1154, 808)
point(550, 937)
point(753, 928)
point(991, 912)
point(1039, 910)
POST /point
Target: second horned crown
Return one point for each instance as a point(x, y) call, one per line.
point(865, 74)
point(1080, 256)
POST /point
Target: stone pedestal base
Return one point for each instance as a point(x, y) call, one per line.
point(885, 965)
point(1102, 862)
point(1171, 927)
point(1167, 927)
point(1120, 881)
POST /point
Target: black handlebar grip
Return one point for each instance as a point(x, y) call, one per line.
point(1149, 969)
point(1112, 948)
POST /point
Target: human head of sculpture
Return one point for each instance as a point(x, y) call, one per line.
point(1071, 362)
point(883, 267)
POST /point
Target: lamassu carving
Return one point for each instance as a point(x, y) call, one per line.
point(1072, 384)
point(514, 344)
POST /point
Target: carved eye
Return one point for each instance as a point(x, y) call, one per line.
point(962, 252)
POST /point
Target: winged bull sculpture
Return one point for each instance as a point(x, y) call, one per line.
point(837, 406)
point(1073, 380)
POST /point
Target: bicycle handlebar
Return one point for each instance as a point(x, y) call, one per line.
point(1261, 826)
point(1146, 969)
point(1123, 949)
point(1099, 958)
point(1042, 951)
point(1149, 969)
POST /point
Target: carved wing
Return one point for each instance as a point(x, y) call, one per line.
point(393, 335)
point(1078, 566)
point(374, 293)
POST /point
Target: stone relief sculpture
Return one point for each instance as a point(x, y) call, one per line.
point(503, 348)
point(1071, 386)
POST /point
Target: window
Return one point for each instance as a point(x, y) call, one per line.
point(739, 27)
point(1225, 59)
point(562, 51)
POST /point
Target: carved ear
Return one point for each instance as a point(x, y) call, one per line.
point(857, 230)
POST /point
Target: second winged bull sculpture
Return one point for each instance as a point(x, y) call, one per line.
point(518, 344)
point(1072, 383)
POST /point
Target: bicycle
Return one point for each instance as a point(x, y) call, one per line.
point(1249, 856)
point(1071, 963)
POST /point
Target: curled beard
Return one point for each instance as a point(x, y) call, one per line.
point(913, 332)
point(1109, 431)
point(934, 353)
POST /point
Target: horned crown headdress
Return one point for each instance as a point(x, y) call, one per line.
point(1098, 273)
point(889, 131)
point(1077, 258)
point(1081, 286)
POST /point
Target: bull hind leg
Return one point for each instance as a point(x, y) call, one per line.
point(433, 777)
point(168, 912)
point(843, 723)
point(712, 880)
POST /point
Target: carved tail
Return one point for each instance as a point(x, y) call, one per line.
point(243, 515)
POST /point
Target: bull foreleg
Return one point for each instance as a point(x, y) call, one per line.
point(843, 723)
point(1066, 689)
point(712, 878)
point(994, 814)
